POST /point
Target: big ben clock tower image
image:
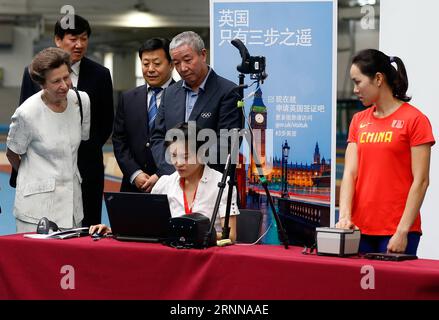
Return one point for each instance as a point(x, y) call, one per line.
point(258, 122)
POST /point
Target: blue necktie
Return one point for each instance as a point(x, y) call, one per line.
point(152, 110)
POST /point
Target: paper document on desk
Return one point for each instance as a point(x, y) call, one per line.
point(65, 234)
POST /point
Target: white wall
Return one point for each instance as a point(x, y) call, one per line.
point(14, 59)
point(408, 29)
point(124, 72)
point(363, 39)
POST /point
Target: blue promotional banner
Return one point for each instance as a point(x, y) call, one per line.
point(293, 110)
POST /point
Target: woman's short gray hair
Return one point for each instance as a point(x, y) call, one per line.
point(46, 60)
point(189, 38)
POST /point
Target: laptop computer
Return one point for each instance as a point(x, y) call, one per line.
point(138, 216)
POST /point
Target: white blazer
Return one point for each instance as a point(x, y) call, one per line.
point(48, 181)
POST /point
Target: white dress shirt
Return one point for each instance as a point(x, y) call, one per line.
point(159, 99)
point(159, 95)
point(74, 76)
point(205, 197)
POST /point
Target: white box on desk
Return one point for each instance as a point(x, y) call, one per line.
point(337, 242)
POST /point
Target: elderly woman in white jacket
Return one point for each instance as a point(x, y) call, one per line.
point(42, 145)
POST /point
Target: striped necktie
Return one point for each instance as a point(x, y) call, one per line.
point(152, 110)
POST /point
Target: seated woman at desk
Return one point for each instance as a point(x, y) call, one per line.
point(193, 187)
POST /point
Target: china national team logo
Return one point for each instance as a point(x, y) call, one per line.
point(398, 124)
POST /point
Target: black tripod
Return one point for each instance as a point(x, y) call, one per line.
point(255, 66)
point(232, 181)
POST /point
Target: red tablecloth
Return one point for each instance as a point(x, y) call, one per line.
point(109, 269)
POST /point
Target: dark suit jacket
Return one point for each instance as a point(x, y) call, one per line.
point(216, 108)
point(28, 87)
point(131, 136)
point(94, 79)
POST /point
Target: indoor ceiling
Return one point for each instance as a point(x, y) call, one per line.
point(124, 13)
point(120, 24)
point(104, 13)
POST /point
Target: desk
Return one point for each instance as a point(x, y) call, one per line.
point(109, 269)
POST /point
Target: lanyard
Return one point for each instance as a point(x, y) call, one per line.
point(187, 209)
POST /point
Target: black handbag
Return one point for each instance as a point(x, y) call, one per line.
point(13, 177)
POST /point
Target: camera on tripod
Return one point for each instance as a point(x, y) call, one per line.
point(256, 66)
point(253, 65)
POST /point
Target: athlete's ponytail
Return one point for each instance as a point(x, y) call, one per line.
point(371, 61)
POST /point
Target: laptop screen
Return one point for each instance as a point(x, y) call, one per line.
point(138, 216)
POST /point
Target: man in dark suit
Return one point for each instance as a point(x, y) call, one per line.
point(135, 118)
point(94, 79)
point(201, 96)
